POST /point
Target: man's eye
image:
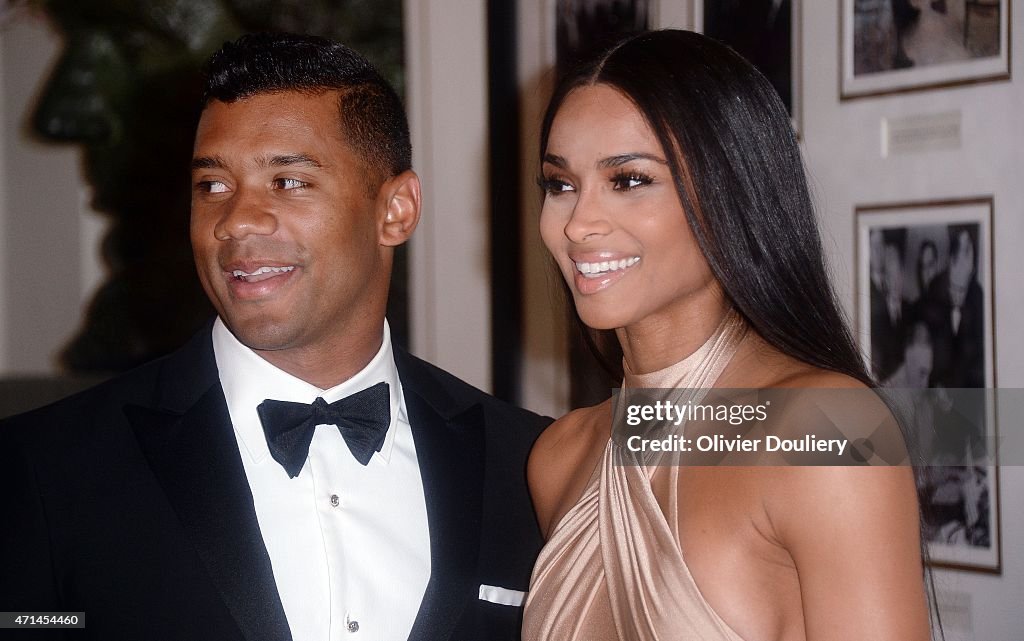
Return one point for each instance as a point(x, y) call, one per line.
point(212, 186)
point(289, 183)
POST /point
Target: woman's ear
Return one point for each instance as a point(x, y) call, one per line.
point(401, 200)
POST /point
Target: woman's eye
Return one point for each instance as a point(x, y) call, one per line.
point(289, 183)
point(555, 186)
point(626, 182)
point(212, 187)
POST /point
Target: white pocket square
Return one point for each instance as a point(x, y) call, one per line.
point(501, 596)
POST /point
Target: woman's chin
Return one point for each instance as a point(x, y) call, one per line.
point(601, 321)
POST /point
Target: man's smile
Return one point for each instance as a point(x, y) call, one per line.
point(260, 273)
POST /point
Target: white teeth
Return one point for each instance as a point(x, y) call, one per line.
point(593, 270)
point(238, 273)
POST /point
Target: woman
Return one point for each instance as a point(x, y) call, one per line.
point(677, 210)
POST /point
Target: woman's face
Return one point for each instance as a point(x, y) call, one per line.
point(612, 218)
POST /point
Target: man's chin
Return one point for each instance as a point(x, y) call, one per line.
point(263, 335)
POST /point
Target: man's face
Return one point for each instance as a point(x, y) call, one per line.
point(284, 228)
point(929, 266)
point(893, 272)
point(961, 268)
point(917, 356)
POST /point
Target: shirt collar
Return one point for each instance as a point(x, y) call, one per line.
point(247, 380)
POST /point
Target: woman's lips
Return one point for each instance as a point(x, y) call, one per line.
point(595, 269)
point(591, 276)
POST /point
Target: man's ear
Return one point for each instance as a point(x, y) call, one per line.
point(401, 200)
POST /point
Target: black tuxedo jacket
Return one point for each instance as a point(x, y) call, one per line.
point(129, 502)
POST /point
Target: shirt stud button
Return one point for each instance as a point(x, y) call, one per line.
point(335, 502)
point(353, 626)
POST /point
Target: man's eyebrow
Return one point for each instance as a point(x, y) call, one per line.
point(208, 162)
point(557, 161)
point(622, 159)
point(291, 160)
point(280, 160)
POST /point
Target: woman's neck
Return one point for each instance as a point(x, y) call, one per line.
point(669, 336)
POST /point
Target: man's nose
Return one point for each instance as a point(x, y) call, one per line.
point(84, 98)
point(248, 213)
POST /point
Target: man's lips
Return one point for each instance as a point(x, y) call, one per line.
point(260, 273)
point(257, 279)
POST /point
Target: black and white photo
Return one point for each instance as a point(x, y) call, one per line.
point(925, 321)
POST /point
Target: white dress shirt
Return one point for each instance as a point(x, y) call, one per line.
point(348, 544)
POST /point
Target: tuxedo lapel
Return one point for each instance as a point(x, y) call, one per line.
point(450, 450)
point(191, 449)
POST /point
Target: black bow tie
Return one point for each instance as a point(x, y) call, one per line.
point(362, 418)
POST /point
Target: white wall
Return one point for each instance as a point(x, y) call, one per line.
point(446, 68)
point(49, 238)
point(842, 143)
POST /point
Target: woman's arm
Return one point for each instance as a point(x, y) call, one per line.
point(854, 535)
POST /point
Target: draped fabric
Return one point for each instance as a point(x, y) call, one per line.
point(613, 567)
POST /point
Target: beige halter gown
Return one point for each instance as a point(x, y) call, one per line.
point(613, 567)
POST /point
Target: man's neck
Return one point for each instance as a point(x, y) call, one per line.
point(325, 367)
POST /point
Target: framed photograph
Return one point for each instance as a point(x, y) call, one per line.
point(891, 46)
point(925, 321)
point(765, 32)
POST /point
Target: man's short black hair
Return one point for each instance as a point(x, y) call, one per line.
point(372, 117)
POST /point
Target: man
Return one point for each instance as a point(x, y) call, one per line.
point(955, 313)
point(288, 473)
point(889, 310)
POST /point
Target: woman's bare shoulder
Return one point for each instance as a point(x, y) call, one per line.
point(573, 430)
point(809, 376)
point(759, 364)
point(563, 458)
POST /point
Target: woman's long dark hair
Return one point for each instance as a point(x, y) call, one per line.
point(738, 172)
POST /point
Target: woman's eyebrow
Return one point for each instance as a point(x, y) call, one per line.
point(556, 160)
point(621, 159)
